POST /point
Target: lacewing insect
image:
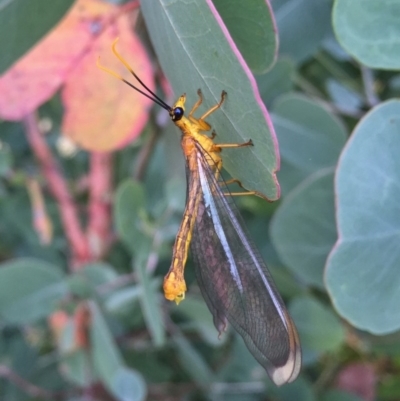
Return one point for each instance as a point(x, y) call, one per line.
point(233, 278)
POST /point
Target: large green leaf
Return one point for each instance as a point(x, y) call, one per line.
point(344, 98)
point(363, 269)
point(201, 319)
point(277, 81)
point(99, 273)
point(192, 361)
point(369, 30)
point(129, 208)
point(334, 395)
point(106, 356)
point(320, 330)
point(90, 278)
point(303, 229)
point(75, 366)
point(29, 290)
point(241, 365)
point(6, 161)
point(252, 28)
point(195, 52)
point(150, 301)
point(310, 138)
point(124, 384)
point(25, 22)
point(302, 26)
point(128, 385)
point(299, 390)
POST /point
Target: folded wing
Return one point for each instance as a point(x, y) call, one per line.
point(235, 281)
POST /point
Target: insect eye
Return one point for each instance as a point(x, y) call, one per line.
point(177, 113)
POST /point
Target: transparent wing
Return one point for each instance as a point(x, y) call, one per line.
point(235, 281)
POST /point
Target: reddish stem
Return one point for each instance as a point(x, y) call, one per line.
point(29, 388)
point(98, 231)
point(58, 187)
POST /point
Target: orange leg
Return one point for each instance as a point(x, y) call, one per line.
point(236, 181)
point(197, 104)
point(235, 145)
point(217, 106)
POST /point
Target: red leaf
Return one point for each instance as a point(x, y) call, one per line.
point(35, 78)
point(101, 112)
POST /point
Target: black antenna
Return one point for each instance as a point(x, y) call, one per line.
point(154, 97)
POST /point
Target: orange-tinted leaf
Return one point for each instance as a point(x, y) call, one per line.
point(58, 322)
point(101, 112)
point(41, 220)
point(82, 321)
point(38, 75)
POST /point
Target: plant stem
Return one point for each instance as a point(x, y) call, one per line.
point(98, 231)
point(80, 252)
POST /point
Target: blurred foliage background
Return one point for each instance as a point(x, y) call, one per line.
point(92, 191)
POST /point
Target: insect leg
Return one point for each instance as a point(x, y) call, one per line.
point(245, 192)
point(197, 104)
point(217, 106)
point(234, 145)
point(236, 181)
point(216, 148)
point(200, 122)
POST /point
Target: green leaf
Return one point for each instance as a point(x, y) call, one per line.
point(123, 298)
point(389, 390)
point(196, 310)
point(335, 395)
point(202, 56)
point(332, 46)
point(241, 365)
point(388, 345)
point(75, 366)
point(19, 352)
point(288, 285)
point(175, 193)
point(86, 281)
point(123, 383)
point(175, 168)
point(23, 23)
point(319, 328)
point(303, 229)
point(362, 273)
point(98, 273)
point(29, 290)
point(150, 297)
point(302, 26)
point(299, 390)
point(6, 160)
point(237, 391)
point(345, 98)
point(369, 30)
point(310, 138)
point(252, 28)
point(128, 385)
point(129, 207)
point(106, 356)
point(277, 81)
point(192, 361)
